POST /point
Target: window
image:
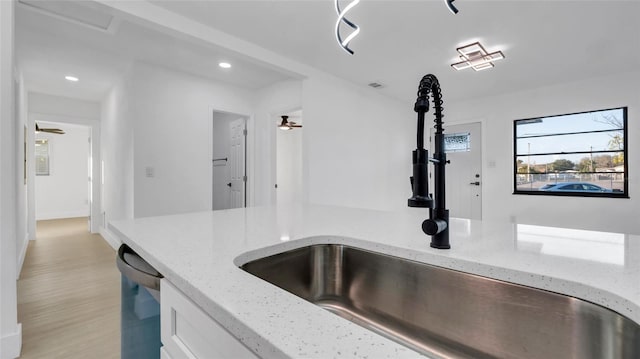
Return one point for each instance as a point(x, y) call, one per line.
point(457, 142)
point(42, 157)
point(579, 154)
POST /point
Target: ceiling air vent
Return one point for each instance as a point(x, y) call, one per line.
point(84, 13)
point(375, 85)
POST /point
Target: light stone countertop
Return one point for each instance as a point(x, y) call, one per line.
point(200, 254)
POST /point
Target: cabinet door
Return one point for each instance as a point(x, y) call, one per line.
point(164, 354)
point(188, 332)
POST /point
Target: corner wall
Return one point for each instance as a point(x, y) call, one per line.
point(116, 148)
point(24, 136)
point(10, 329)
point(356, 146)
point(497, 114)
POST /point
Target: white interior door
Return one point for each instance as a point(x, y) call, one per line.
point(236, 163)
point(463, 145)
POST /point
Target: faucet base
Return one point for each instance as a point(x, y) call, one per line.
point(439, 246)
point(438, 227)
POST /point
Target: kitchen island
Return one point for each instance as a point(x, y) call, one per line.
point(200, 254)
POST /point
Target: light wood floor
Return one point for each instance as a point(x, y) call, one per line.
point(69, 294)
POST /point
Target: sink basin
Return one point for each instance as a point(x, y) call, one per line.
point(446, 313)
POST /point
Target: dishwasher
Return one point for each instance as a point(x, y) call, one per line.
point(140, 306)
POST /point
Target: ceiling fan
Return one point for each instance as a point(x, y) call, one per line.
point(287, 125)
point(57, 131)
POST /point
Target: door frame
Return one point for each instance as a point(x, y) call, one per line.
point(483, 168)
point(274, 117)
point(95, 209)
point(249, 162)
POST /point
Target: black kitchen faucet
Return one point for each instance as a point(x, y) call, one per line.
point(437, 226)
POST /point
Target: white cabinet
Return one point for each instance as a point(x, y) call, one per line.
point(188, 332)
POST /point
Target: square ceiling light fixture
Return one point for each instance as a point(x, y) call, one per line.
point(476, 57)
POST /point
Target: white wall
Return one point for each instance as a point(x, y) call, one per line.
point(356, 146)
point(116, 148)
point(10, 330)
point(172, 126)
point(63, 106)
point(497, 114)
point(64, 192)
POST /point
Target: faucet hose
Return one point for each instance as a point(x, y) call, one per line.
point(428, 85)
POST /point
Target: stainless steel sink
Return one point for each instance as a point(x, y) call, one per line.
point(441, 312)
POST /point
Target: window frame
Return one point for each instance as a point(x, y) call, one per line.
point(625, 191)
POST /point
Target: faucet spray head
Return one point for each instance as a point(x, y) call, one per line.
point(419, 181)
point(422, 104)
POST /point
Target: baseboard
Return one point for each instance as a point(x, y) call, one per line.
point(11, 345)
point(62, 214)
point(108, 236)
point(22, 254)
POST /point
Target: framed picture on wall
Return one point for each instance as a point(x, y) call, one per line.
point(42, 157)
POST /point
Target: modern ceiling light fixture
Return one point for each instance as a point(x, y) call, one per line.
point(287, 125)
point(451, 7)
point(476, 57)
point(344, 43)
point(225, 65)
point(342, 19)
point(71, 78)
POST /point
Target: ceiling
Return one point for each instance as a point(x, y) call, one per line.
point(544, 42)
point(50, 47)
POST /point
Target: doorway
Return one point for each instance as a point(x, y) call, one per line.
point(289, 158)
point(63, 171)
point(229, 150)
point(463, 146)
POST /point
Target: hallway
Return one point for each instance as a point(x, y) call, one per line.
point(69, 294)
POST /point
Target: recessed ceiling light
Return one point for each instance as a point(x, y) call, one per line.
point(71, 78)
point(476, 57)
point(224, 65)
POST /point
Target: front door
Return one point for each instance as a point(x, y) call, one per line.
point(236, 163)
point(463, 145)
